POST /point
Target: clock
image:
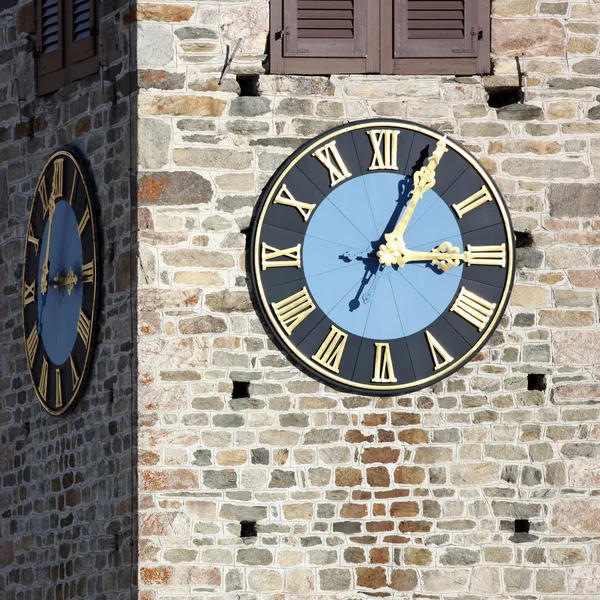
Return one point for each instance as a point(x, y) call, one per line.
point(382, 257)
point(60, 283)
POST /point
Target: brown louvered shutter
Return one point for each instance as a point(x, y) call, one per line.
point(340, 34)
point(441, 36)
point(81, 30)
point(322, 28)
point(50, 44)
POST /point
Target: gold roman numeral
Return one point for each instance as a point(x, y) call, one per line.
point(58, 396)
point(84, 327)
point(493, 256)
point(293, 310)
point(32, 239)
point(270, 254)
point(57, 179)
point(73, 188)
point(330, 353)
point(44, 196)
point(384, 367)
point(31, 344)
point(329, 155)
point(87, 272)
point(472, 308)
point(74, 374)
point(388, 159)
point(477, 199)
point(43, 387)
point(29, 295)
point(84, 220)
point(285, 197)
point(437, 352)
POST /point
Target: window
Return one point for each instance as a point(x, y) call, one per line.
point(67, 46)
point(428, 37)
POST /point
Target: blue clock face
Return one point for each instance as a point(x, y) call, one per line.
point(60, 283)
point(382, 257)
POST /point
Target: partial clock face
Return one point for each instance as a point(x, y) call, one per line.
point(60, 282)
point(382, 256)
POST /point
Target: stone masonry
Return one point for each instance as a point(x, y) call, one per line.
point(66, 483)
point(407, 497)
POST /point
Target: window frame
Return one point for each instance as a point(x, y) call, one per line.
point(72, 60)
point(380, 59)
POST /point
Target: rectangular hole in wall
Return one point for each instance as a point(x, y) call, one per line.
point(536, 381)
point(241, 389)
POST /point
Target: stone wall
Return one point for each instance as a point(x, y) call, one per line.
point(410, 497)
point(66, 482)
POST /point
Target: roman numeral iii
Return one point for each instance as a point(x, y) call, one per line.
point(493, 256)
point(441, 358)
point(477, 199)
point(329, 155)
point(473, 309)
point(270, 255)
point(331, 350)
point(285, 197)
point(87, 272)
point(293, 310)
point(388, 158)
point(384, 368)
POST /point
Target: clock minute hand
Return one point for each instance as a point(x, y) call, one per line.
point(46, 269)
point(424, 180)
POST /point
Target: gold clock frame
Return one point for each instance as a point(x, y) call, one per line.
point(268, 310)
point(89, 351)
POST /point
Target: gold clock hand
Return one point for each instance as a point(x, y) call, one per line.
point(46, 270)
point(424, 180)
point(69, 281)
point(445, 256)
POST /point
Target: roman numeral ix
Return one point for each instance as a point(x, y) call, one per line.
point(290, 256)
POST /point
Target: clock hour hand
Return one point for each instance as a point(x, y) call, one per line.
point(445, 256)
point(424, 180)
point(69, 281)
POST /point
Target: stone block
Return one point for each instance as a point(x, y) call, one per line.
point(513, 37)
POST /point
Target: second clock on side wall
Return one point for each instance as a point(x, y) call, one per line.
point(60, 283)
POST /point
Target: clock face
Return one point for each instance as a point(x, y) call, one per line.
point(60, 282)
point(382, 256)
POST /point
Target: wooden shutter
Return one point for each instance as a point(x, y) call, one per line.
point(325, 28)
point(81, 37)
point(81, 29)
point(324, 36)
point(50, 44)
point(441, 36)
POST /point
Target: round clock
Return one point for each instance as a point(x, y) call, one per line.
point(60, 283)
point(382, 256)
